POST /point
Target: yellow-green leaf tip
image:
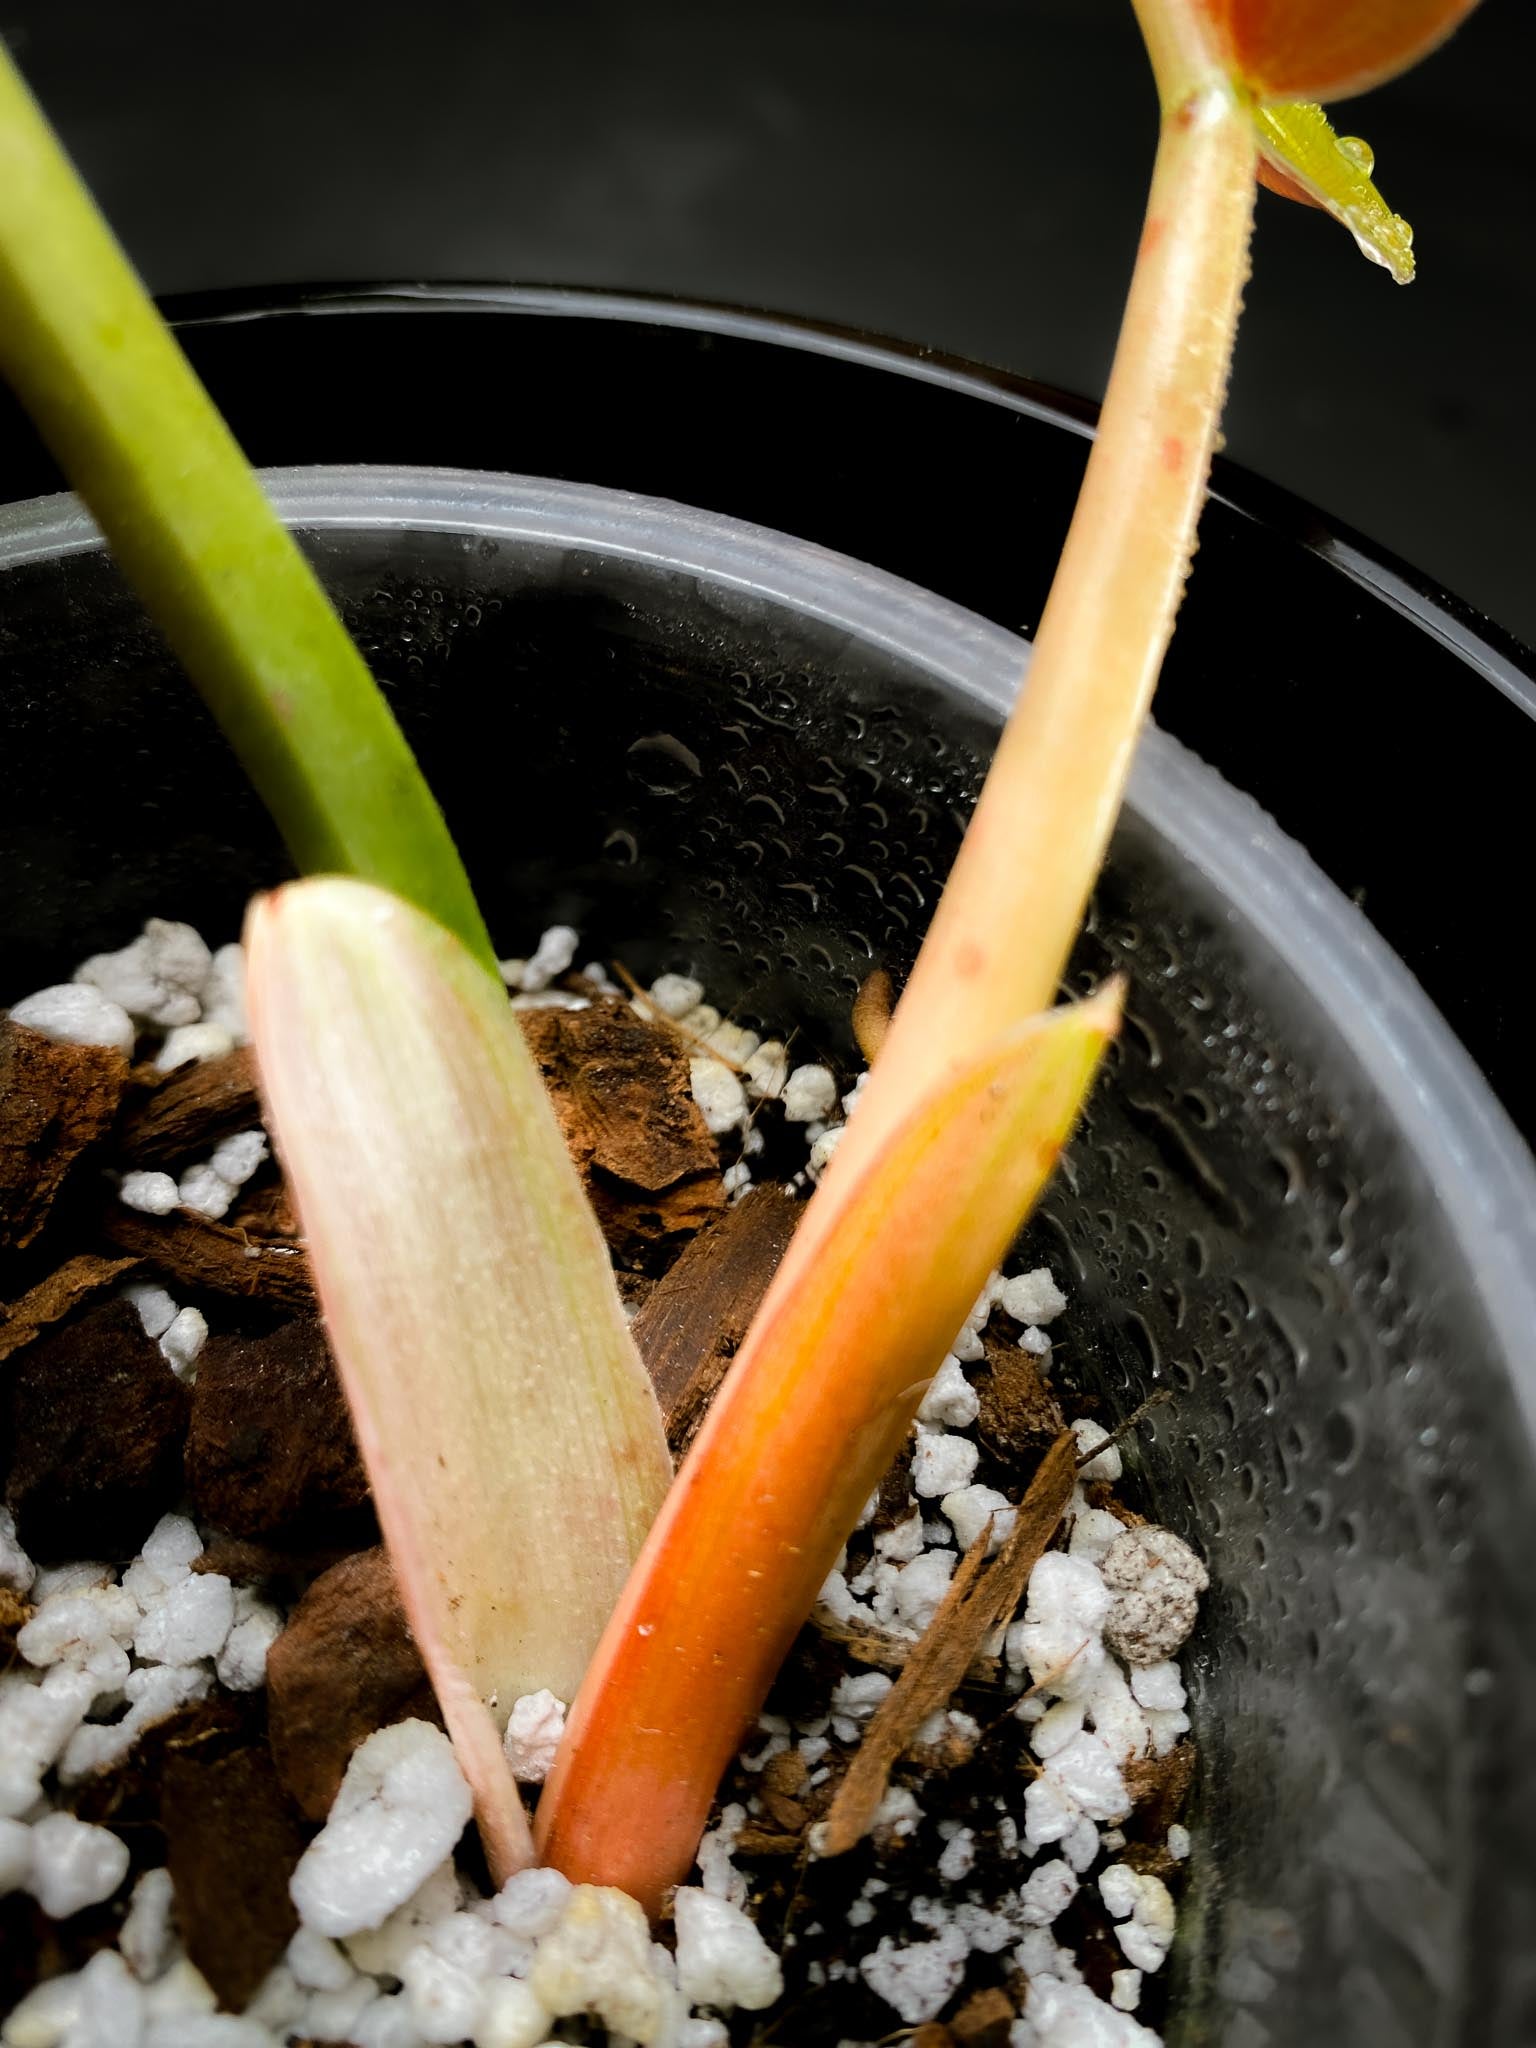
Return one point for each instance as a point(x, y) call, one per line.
point(1334, 172)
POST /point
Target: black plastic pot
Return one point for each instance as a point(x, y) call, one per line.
point(1383, 724)
point(1295, 1202)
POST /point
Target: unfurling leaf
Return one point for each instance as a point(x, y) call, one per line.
point(876, 1281)
point(1305, 159)
point(512, 1440)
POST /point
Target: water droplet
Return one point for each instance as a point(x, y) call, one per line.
point(1359, 152)
point(663, 764)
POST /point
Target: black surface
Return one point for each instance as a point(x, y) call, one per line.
point(966, 174)
point(1383, 727)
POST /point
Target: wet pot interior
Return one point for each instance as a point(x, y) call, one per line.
point(1291, 1204)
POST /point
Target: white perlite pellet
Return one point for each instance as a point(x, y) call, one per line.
point(820, 1157)
point(722, 1960)
point(205, 1192)
point(182, 1343)
point(1090, 1435)
point(242, 1663)
point(1032, 1297)
point(154, 1194)
point(17, 1571)
point(224, 992)
point(1125, 1990)
point(73, 1015)
point(192, 1620)
point(552, 957)
point(153, 1693)
point(717, 1872)
point(1069, 2015)
point(970, 1508)
point(919, 1978)
point(159, 978)
point(720, 1096)
point(147, 1937)
point(1047, 1892)
point(941, 1464)
point(530, 1903)
point(676, 994)
point(810, 1094)
point(733, 1042)
point(534, 1728)
point(598, 1959)
point(444, 1999)
point(238, 1157)
point(36, 1723)
point(192, 1042)
point(74, 1864)
point(512, 2016)
point(767, 1070)
point(402, 1806)
point(951, 1402)
point(157, 1311)
point(921, 1585)
point(1144, 1908)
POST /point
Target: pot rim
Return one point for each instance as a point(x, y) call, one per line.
point(1484, 1177)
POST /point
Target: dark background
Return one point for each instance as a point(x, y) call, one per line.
point(964, 173)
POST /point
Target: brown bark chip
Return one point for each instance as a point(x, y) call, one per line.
point(271, 1452)
point(232, 1840)
point(621, 1090)
point(344, 1666)
point(64, 1290)
point(691, 1325)
point(97, 1421)
point(56, 1101)
point(1159, 1787)
point(215, 1258)
point(15, 1613)
point(984, 2021)
point(183, 1115)
point(1020, 1416)
point(979, 1597)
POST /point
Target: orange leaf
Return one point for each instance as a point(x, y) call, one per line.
point(876, 1281)
point(1273, 179)
point(1325, 49)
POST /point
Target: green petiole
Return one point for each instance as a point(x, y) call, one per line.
point(184, 514)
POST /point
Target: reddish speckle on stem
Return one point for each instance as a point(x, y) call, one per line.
point(970, 958)
point(1173, 454)
point(282, 704)
point(1153, 233)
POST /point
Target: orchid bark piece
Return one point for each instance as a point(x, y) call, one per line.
point(511, 1437)
point(868, 1298)
point(133, 429)
point(978, 1599)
